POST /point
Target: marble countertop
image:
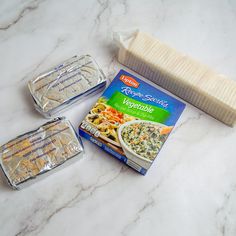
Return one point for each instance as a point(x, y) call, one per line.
point(191, 188)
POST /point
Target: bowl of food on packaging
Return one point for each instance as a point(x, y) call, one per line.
point(141, 140)
point(107, 120)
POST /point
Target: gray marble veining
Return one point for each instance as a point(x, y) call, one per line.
point(190, 189)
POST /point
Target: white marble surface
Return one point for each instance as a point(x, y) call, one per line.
point(191, 188)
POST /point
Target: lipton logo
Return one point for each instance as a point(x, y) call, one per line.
point(129, 81)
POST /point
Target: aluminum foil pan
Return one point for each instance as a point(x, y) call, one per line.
point(34, 154)
point(67, 83)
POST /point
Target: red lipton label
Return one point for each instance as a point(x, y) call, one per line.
point(129, 81)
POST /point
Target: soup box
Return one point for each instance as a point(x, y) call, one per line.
point(131, 121)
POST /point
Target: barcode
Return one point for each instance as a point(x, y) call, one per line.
point(133, 165)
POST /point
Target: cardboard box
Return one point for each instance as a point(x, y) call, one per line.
point(131, 121)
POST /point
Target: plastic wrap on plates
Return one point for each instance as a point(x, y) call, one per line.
point(69, 82)
point(31, 155)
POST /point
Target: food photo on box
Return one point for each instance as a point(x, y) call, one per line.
point(117, 118)
point(132, 120)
